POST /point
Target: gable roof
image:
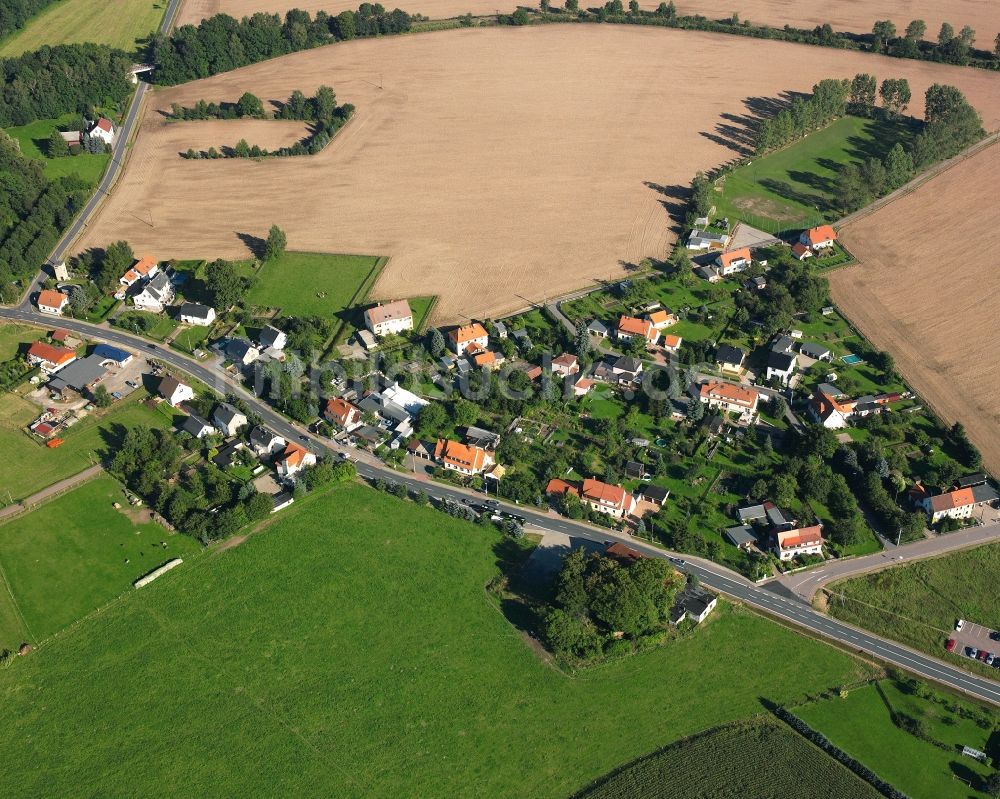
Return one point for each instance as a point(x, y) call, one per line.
point(813, 350)
point(196, 310)
point(195, 425)
point(105, 124)
point(79, 374)
point(145, 264)
point(780, 361)
point(340, 409)
point(52, 299)
point(819, 234)
point(458, 454)
point(269, 336)
point(800, 250)
point(260, 436)
point(558, 486)
point(400, 309)
point(226, 413)
point(729, 391)
point(294, 455)
point(801, 537)
point(115, 354)
point(635, 327)
point(468, 333)
point(660, 317)
point(597, 326)
point(620, 551)
point(727, 353)
point(51, 354)
point(727, 258)
point(670, 340)
point(566, 359)
point(604, 493)
point(169, 385)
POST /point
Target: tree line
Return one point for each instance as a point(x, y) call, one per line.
point(33, 213)
point(222, 43)
point(827, 103)
point(56, 80)
point(949, 47)
point(15, 13)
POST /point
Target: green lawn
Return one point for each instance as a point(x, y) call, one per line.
point(862, 726)
point(33, 139)
point(73, 554)
point(350, 650)
point(315, 284)
point(918, 603)
point(715, 764)
point(28, 466)
point(13, 337)
point(118, 23)
point(190, 338)
point(794, 187)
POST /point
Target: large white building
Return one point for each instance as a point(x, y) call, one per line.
point(393, 317)
point(801, 541)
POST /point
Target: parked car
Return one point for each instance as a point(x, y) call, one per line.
point(995, 635)
point(990, 659)
point(959, 625)
point(982, 655)
point(971, 652)
point(131, 384)
point(950, 644)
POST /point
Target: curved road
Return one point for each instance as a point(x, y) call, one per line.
point(789, 608)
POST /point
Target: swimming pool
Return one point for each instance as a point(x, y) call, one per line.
point(852, 360)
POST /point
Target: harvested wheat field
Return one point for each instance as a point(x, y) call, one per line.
point(928, 291)
point(496, 167)
point(844, 15)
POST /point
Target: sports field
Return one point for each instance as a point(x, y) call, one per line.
point(843, 15)
point(715, 764)
point(73, 554)
point(28, 466)
point(119, 23)
point(923, 291)
point(489, 177)
point(861, 725)
point(350, 650)
point(33, 139)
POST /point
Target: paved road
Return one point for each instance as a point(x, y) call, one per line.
point(787, 607)
point(110, 176)
point(805, 584)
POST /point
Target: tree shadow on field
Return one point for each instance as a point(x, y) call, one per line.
point(673, 199)
point(737, 131)
point(253, 243)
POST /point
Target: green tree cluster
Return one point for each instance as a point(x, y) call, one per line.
point(828, 101)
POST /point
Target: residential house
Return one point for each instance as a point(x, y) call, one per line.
point(752, 513)
point(478, 437)
point(729, 263)
point(393, 317)
point(501, 329)
point(565, 365)
point(174, 391)
point(623, 553)
point(462, 458)
point(741, 536)
point(104, 130)
point(462, 337)
point(228, 454)
point(228, 420)
point(671, 343)
point(782, 343)
point(634, 469)
point(72, 137)
point(581, 385)
point(193, 313)
point(196, 426)
point(115, 355)
point(613, 500)
point(729, 358)
point(52, 302)
point(342, 413)
point(781, 366)
point(484, 360)
point(155, 295)
point(662, 318)
point(707, 240)
point(833, 409)
point(406, 399)
point(368, 436)
point(48, 358)
point(629, 327)
point(294, 459)
point(788, 544)
point(815, 351)
point(960, 503)
point(694, 603)
point(758, 283)
point(241, 351)
point(818, 238)
point(597, 328)
point(655, 495)
point(394, 416)
point(146, 267)
point(800, 251)
point(266, 443)
point(626, 371)
point(709, 273)
point(729, 397)
point(81, 376)
point(270, 338)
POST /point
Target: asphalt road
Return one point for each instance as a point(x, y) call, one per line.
point(788, 608)
point(110, 175)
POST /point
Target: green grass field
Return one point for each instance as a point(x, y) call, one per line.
point(918, 603)
point(862, 726)
point(28, 466)
point(118, 23)
point(73, 554)
point(33, 139)
point(190, 338)
point(794, 187)
point(14, 337)
point(315, 284)
point(716, 764)
point(351, 650)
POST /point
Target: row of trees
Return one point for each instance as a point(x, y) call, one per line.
point(14, 13)
point(949, 46)
point(33, 213)
point(828, 101)
point(70, 78)
point(222, 43)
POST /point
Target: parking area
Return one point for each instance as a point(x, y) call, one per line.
point(976, 636)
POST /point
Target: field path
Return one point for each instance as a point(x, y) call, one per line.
point(52, 491)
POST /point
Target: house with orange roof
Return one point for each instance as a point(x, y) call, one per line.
point(145, 267)
point(662, 318)
point(294, 459)
point(48, 358)
point(788, 544)
point(728, 396)
point(342, 413)
point(672, 343)
point(461, 338)
point(104, 130)
point(801, 251)
point(818, 238)
point(832, 408)
point(485, 360)
point(630, 327)
point(734, 261)
point(52, 302)
point(582, 385)
point(613, 500)
point(462, 458)
point(960, 503)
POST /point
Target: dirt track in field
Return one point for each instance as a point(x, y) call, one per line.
point(857, 16)
point(928, 290)
point(496, 167)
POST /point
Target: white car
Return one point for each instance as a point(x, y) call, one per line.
point(959, 625)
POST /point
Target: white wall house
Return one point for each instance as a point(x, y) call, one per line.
point(393, 317)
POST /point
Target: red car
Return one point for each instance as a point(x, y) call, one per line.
point(950, 644)
point(982, 655)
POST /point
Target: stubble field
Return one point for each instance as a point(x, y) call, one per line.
point(843, 15)
point(495, 167)
point(927, 291)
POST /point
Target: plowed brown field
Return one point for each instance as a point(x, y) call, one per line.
point(928, 291)
point(844, 15)
point(496, 167)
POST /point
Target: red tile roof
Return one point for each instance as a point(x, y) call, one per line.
point(799, 250)
point(803, 537)
point(727, 258)
point(400, 309)
point(145, 265)
point(51, 299)
point(636, 327)
point(604, 493)
point(294, 455)
point(820, 234)
point(619, 551)
point(60, 334)
point(953, 499)
point(467, 333)
point(460, 455)
point(340, 411)
point(557, 486)
point(105, 124)
point(53, 355)
point(739, 395)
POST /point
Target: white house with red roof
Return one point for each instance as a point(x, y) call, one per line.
point(613, 500)
point(734, 261)
point(960, 503)
point(789, 544)
point(104, 130)
point(342, 413)
point(48, 358)
point(565, 365)
point(462, 458)
point(672, 343)
point(461, 338)
point(728, 396)
point(52, 302)
point(392, 317)
point(294, 459)
point(818, 238)
point(630, 327)
point(143, 268)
